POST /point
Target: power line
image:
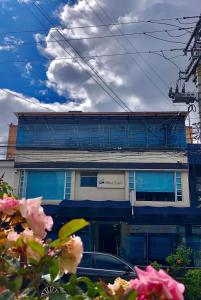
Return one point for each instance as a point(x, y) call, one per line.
point(164, 40)
point(94, 56)
point(145, 33)
point(132, 58)
point(114, 95)
point(151, 21)
point(25, 99)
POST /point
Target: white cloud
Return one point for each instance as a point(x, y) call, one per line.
point(11, 102)
point(27, 70)
point(10, 43)
point(130, 77)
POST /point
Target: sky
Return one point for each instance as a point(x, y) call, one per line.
point(43, 68)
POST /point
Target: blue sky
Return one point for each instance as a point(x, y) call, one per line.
point(141, 81)
point(15, 16)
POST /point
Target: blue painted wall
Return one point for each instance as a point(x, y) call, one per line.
point(101, 133)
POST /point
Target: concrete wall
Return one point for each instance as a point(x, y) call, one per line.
point(7, 168)
point(95, 156)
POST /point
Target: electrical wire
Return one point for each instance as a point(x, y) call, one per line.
point(164, 40)
point(24, 43)
point(94, 56)
point(25, 99)
point(154, 21)
point(132, 58)
point(114, 95)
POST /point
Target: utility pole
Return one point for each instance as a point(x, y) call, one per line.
point(193, 69)
point(199, 91)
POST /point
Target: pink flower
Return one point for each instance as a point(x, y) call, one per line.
point(157, 285)
point(71, 255)
point(28, 235)
point(13, 236)
point(37, 220)
point(8, 205)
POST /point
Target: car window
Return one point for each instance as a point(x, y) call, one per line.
point(86, 261)
point(108, 262)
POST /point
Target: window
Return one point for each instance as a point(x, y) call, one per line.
point(156, 185)
point(48, 184)
point(108, 262)
point(86, 261)
point(88, 179)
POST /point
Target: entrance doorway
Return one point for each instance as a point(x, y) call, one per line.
point(109, 238)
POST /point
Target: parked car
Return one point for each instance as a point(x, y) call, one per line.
point(96, 266)
point(106, 267)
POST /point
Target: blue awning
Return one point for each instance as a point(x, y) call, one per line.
point(121, 211)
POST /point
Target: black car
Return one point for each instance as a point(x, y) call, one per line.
point(107, 267)
point(96, 266)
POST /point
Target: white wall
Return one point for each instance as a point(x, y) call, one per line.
point(7, 168)
point(94, 193)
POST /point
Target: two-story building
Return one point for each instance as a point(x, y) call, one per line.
point(127, 173)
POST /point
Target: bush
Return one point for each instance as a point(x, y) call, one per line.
point(192, 281)
point(156, 265)
point(181, 258)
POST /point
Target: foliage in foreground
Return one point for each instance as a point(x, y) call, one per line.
point(26, 255)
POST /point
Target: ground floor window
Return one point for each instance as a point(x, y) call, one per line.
point(156, 185)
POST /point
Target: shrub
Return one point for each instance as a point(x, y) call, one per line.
point(181, 258)
point(192, 281)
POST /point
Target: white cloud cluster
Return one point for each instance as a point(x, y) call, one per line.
point(141, 81)
point(11, 102)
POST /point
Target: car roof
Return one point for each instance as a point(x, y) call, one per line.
point(110, 254)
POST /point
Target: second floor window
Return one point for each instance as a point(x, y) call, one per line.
point(88, 179)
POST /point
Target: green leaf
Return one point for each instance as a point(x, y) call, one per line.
point(37, 247)
point(55, 243)
point(54, 269)
point(71, 227)
point(18, 283)
point(91, 288)
point(7, 295)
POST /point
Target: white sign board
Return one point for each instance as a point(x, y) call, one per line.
point(110, 181)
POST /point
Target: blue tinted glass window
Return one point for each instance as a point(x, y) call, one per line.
point(48, 184)
point(155, 181)
point(88, 179)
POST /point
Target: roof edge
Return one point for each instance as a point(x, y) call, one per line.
point(79, 113)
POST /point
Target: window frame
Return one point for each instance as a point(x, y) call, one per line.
point(178, 186)
point(67, 191)
point(89, 174)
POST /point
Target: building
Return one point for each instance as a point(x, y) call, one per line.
point(10, 155)
point(127, 173)
point(8, 172)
